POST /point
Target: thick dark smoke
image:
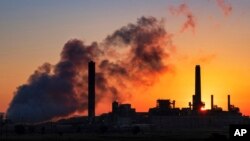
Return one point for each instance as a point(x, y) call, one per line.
point(133, 57)
point(147, 42)
point(54, 91)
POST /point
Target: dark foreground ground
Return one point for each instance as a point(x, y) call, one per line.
point(108, 138)
point(167, 136)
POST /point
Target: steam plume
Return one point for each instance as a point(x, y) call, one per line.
point(225, 7)
point(133, 56)
point(183, 9)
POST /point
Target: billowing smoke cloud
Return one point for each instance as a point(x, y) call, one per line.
point(54, 90)
point(147, 41)
point(134, 56)
point(183, 9)
point(225, 7)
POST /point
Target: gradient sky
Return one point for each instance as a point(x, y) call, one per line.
point(34, 32)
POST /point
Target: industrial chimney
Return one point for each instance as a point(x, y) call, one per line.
point(228, 103)
point(212, 102)
point(197, 103)
point(91, 91)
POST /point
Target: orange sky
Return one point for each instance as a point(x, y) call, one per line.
point(34, 33)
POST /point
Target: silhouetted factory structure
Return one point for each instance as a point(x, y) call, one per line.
point(163, 119)
point(165, 115)
point(167, 107)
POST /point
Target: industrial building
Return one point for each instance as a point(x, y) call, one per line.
point(163, 120)
point(166, 116)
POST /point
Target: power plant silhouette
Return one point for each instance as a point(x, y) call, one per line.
point(164, 107)
point(165, 120)
point(166, 117)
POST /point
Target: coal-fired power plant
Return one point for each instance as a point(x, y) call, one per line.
point(91, 91)
point(164, 118)
point(63, 98)
point(197, 103)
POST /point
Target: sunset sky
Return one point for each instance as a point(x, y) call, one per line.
point(34, 32)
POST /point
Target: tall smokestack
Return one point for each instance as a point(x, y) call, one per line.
point(198, 82)
point(212, 102)
point(91, 91)
point(197, 104)
point(228, 103)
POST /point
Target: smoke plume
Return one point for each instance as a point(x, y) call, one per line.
point(183, 9)
point(133, 56)
point(225, 7)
